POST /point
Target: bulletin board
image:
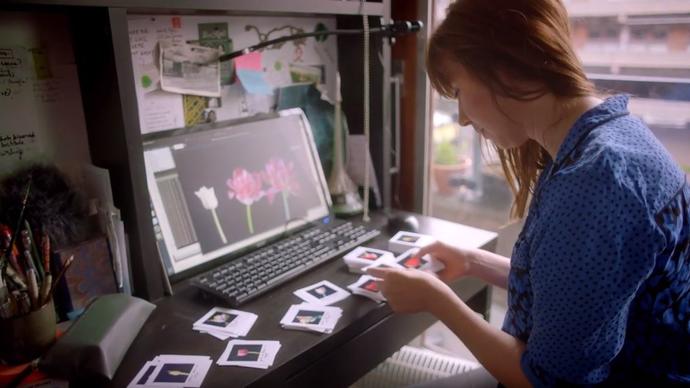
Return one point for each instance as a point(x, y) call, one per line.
point(248, 84)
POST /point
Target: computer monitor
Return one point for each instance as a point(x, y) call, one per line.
point(225, 188)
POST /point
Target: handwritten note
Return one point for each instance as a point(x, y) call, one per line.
point(14, 145)
point(13, 72)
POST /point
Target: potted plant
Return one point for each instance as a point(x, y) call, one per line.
point(448, 163)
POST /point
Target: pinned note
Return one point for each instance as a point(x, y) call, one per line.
point(251, 61)
point(254, 82)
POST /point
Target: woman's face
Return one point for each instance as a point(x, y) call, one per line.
point(477, 106)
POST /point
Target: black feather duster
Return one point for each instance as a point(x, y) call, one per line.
point(53, 205)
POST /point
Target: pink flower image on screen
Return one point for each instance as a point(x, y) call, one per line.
point(246, 188)
point(280, 176)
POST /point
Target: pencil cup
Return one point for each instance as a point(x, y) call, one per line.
point(25, 338)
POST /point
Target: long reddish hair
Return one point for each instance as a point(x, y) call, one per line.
point(499, 40)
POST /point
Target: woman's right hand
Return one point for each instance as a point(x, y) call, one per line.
point(458, 261)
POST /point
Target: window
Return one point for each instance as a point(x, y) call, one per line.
point(640, 47)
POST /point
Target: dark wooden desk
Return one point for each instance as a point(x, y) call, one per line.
point(365, 335)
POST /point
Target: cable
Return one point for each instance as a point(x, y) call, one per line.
point(365, 24)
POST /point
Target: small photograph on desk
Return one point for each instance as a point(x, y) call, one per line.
point(408, 238)
point(410, 259)
point(245, 353)
point(172, 370)
point(402, 241)
point(311, 317)
point(366, 286)
point(249, 354)
point(220, 319)
point(225, 323)
point(322, 293)
point(363, 256)
point(173, 373)
point(384, 262)
point(308, 317)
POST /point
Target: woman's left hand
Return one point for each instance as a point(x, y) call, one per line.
point(411, 290)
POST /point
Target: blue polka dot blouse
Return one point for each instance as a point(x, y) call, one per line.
point(599, 285)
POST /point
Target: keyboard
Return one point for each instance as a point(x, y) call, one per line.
point(249, 276)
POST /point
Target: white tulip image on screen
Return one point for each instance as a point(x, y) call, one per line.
point(207, 196)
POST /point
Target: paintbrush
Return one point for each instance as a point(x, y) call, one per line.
point(68, 262)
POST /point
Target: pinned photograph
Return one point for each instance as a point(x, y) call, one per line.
point(322, 293)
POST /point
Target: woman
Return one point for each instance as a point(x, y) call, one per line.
point(599, 279)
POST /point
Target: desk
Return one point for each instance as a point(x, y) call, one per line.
point(365, 335)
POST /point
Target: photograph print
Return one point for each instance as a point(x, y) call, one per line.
point(321, 291)
point(412, 262)
point(245, 353)
point(408, 238)
point(369, 255)
point(370, 285)
point(308, 317)
point(174, 373)
point(220, 319)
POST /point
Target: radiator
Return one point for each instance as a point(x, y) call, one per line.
point(412, 365)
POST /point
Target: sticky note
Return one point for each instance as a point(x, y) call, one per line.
point(251, 61)
point(254, 82)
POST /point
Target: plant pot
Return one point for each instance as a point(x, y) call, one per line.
point(25, 338)
point(443, 173)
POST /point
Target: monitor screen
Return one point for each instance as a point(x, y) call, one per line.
point(232, 185)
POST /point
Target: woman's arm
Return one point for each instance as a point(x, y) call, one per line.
point(459, 262)
point(498, 351)
point(490, 267)
point(410, 291)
